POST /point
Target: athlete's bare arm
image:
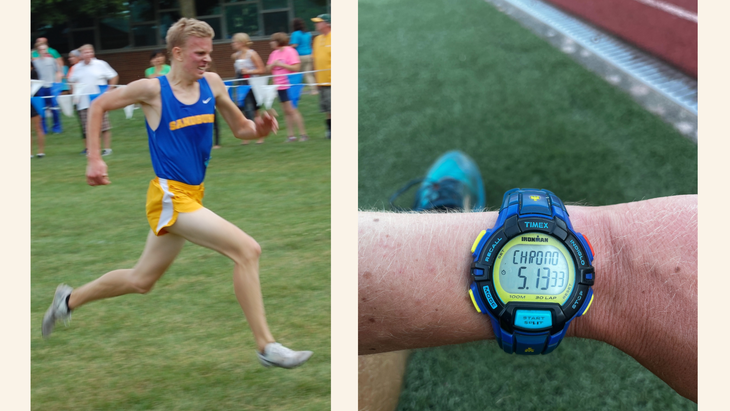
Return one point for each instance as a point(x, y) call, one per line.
point(242, 128)
point(145, 92)
point(414, 276)
point(260, 67)
point(279, 63)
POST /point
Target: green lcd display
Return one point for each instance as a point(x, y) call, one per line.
point(534, 267)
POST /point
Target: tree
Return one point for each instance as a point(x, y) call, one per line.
point(60, 11)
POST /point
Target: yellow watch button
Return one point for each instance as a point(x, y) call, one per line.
point(473, 301)
point(476, 242)
point(589, 305)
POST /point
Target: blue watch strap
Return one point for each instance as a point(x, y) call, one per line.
point(538, 203)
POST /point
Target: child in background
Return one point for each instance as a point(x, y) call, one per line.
point(159, 68)
point(282, 61)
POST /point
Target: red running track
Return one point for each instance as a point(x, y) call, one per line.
point(665, 28)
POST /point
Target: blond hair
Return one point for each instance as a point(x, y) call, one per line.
point(179, 32)
point(242, 38)
point(86, 46)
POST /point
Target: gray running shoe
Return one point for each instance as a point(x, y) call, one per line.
point(58, 310)
point(106, 152)
point(276, 355)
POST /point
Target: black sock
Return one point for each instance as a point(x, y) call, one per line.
point(329, 124)
point(67, 307)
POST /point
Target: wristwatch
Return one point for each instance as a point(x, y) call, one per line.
point(532, 273)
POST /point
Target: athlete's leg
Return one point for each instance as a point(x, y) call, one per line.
point(106, 137)
point(289, 117)
point(39, 133)
point(44, 92)
point(158, 254)
point(205, 228)
point(299, 120)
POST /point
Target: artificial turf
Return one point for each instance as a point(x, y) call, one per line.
point(440, 75)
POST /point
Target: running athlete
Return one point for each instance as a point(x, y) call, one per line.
point(179, 109)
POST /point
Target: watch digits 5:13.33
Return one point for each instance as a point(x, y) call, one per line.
point(532, 272)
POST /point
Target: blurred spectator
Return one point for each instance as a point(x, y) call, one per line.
point(88, 75)
point(248, 64)
point(301, 40)
point(48, 72)
point(282, 61)
point(56, 55)
point(73, 58)
point(322, 53)
point(159, 68)
point(35, 119)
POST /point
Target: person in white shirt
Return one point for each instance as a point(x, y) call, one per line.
point(87, 76)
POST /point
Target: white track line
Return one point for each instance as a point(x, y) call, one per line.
point(671, 9)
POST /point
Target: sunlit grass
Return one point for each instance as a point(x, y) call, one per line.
point(186, 344)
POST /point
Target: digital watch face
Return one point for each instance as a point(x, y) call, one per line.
point(534, 267)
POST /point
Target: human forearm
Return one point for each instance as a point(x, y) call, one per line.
point(291, 67)
point(650, 306)
point(256, 71)
point(413, 280)
point(94, 118)
point(246, 130)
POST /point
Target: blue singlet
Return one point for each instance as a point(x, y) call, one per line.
point(180, 147)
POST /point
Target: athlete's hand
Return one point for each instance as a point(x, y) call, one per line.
point(96, 173)
point(266, 124)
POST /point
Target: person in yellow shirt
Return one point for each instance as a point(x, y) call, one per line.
point(321, 52)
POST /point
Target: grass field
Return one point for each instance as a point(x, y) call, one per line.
point(444, 75)
point(186, 345)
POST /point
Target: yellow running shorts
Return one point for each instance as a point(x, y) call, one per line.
point(167, 198)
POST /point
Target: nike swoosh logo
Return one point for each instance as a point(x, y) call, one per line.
point(207, 100)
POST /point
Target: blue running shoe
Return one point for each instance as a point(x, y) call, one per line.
point(452, 182)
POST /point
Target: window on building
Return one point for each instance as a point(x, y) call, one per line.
point(142, 11)
point(114, 32)
point(274, 4)
point(57, 35)
point(144, 35)
point(215, 24)
point(167, 19)
point(308, 9)
point(242, 18)
point(207, 7)
point(81, 37)
point(275, 22)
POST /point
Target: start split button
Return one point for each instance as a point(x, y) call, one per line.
point(533, 319)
